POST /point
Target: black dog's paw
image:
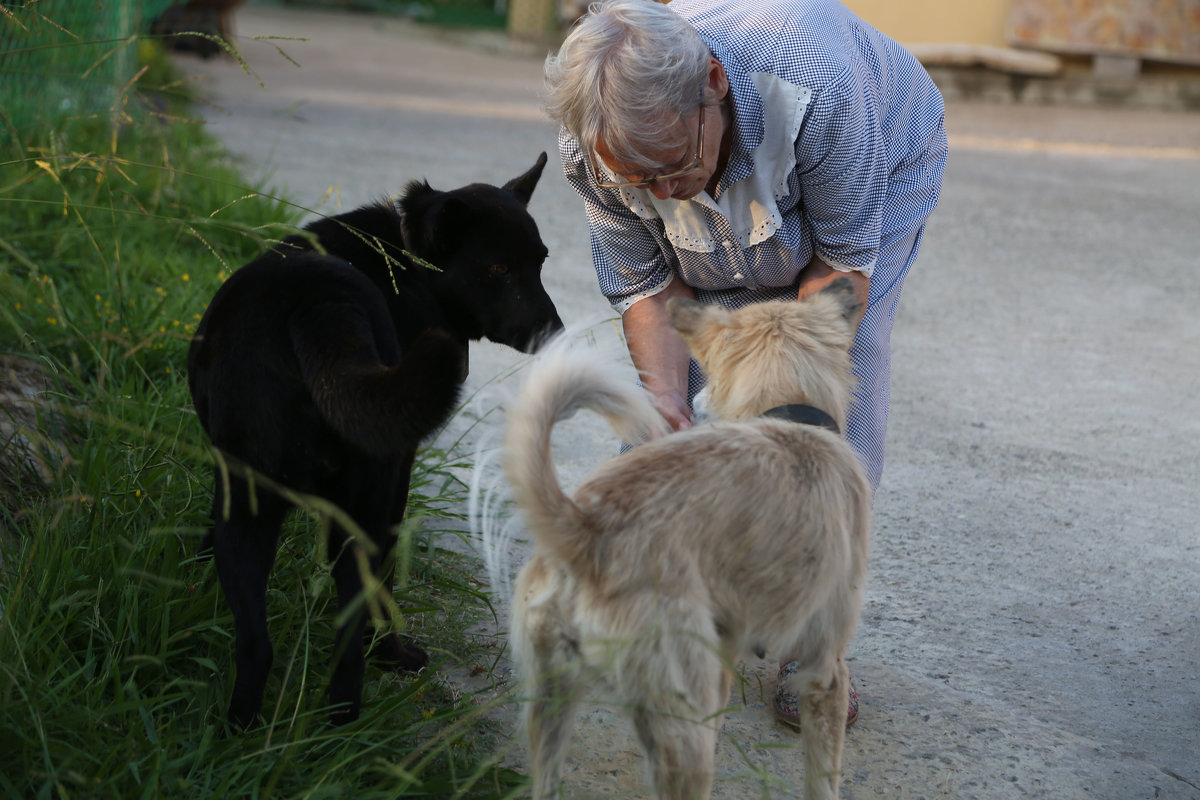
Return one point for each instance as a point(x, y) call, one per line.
point(394, 653)
point(238, 721)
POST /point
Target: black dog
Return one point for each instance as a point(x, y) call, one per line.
point(323, 367)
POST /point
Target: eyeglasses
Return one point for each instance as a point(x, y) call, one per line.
point(647, 182)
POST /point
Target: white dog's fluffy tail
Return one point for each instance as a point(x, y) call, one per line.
point(563, 379)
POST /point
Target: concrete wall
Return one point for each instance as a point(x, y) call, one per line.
point(970, 21)
point(907, 21)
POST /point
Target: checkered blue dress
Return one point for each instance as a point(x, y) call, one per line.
point(838, 149)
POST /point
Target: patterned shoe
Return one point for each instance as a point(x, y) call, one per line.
point(787, 704)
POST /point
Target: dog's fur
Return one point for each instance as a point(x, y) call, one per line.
point(322, 364)
point(744, 536)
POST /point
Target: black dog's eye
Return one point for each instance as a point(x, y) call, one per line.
point(499, 269)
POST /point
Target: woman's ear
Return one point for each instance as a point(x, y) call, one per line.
point(718, 82)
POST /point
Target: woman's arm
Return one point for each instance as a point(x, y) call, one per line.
point(658, 352)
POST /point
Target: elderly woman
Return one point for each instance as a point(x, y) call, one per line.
point(735, 151)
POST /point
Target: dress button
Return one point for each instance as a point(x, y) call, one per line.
point(737, 276)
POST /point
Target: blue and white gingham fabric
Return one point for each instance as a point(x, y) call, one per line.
point(838, 148)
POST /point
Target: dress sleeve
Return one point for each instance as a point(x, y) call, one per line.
point(627, 250)
point(843, 169)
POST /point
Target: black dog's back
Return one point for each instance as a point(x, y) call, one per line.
point(322, 364)
point(297, 364)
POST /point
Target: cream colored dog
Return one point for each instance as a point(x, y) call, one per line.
point(673, 561)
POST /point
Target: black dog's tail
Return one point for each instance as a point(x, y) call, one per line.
point(559, 382)
point(380, 409)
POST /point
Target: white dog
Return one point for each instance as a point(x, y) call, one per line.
point(673, 561)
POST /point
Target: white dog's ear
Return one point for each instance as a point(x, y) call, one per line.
point(842, 290)
point(686, 315)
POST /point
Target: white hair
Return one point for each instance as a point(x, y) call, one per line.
point(622, 67)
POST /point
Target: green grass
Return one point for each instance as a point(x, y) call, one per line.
point(115, 641)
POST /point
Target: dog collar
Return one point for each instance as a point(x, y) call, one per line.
point(805, 415)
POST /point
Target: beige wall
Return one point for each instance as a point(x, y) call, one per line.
point(928, 21)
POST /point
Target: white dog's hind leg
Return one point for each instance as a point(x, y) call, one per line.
point(824, 696)
point(551, 673)
point(680, 754)
point(677, 724)
point(548, 661)
point(549, 720)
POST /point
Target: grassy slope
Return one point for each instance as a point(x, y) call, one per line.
point(115, 642)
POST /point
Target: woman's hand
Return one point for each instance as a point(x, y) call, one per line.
point(674, 410)
point(817, 275)
point(660, 355)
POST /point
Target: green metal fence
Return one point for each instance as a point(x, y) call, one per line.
point(65, 58)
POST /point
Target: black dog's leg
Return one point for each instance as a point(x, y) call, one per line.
point(205, 550)
point(345, 687)
point(218, 509)
point(391, 650)
point(243, 547)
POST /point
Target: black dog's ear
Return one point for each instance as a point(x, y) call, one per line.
point(842, 290)
point(414, 193)
point(429, 217)
point(523, 185)
point(415, 198)
point(419, 206)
